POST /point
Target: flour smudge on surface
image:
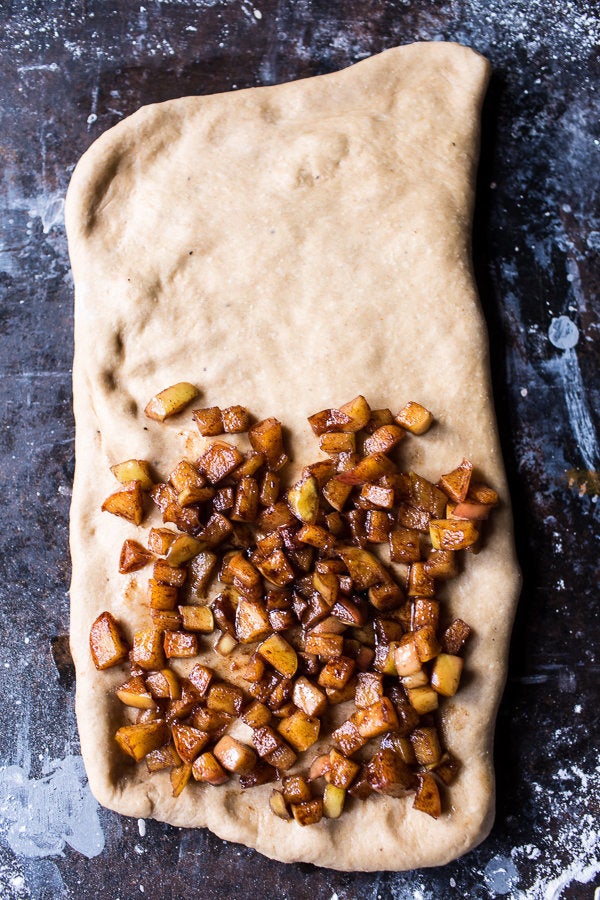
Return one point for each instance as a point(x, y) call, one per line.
point(38, 817)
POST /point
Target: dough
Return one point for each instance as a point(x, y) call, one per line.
point(286, 248)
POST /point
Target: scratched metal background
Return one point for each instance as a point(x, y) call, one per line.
point(68, 71)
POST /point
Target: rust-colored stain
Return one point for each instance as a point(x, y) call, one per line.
point(584, 481)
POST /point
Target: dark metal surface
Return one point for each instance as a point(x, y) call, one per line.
point(68, 71)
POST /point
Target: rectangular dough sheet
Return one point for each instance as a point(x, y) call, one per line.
point(287, 248)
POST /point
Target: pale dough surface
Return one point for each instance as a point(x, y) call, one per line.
point(287, 248)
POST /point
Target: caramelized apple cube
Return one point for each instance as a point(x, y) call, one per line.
point(359, 413)
point(277, 516)
point(416, 680)
point(236, 419)
point(324, 644)
point(348, 738)
point(164, 684)
point(219, 461)
point(160, 539)
point(423, 699)
point(447, 769)
point(316, 536)
point(107, 642)
point(456, 483)
point(329, 420)
point(134, 470)
point(171, 400)
point(128, 503)
point(271, 746)
point(401, 744)
point(276, 568)
point(216, 530)
point(412, 518)
point(376, 719)
point(424, 612)
point(333, 801)
point(162, 596)
point(303, 499)
point(452, 534)
point(334, 442)
point(455, 637)
point(235, 756)
point(377, 495)
point(295, 789)
point(165, 573)
point(256, 714)
point(180, 777)
point(197, 618)
point(368, 469)
point(182, 707)
point(245, 576)
point(308, 813)
point(426, 745)
point(225, 698)
point(278, 805)
point(266, 437)
point(388, 774)
point(180, 645)
point(300, 730)
point(364, 568)
point(426, 642)
point(420, 584)
point(377, 526)
point(208, 769)
point(337, 672)
point(187, 519)
point(134, 693)
point(308, 697)
point(165, 619)
point(469, 509)
point(441, 564)
point(188, 741)
point(165, 757)
point(213, 721)
point(445, 674)
point(384, 439)
point(404, 545)
point(328, 586)
point(386, 596)
point(342, 771)
point(186, 475)
point(209, 421)
point(279, 654)
point(251, 621)
point(141, 739)
point(225, 645)
point(269, 489)
point(369, 689)
point(414, 418)
point(427, 798)
point(481, 493)
point(245, 507)
point(133, 557)
point(147, 651)
point(336, 493)
point(201, 677)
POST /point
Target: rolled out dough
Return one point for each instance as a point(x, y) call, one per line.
point(287, 248)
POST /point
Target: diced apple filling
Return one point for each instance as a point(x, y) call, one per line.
point(306, 617)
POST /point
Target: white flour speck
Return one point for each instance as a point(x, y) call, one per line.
point(563, 333)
